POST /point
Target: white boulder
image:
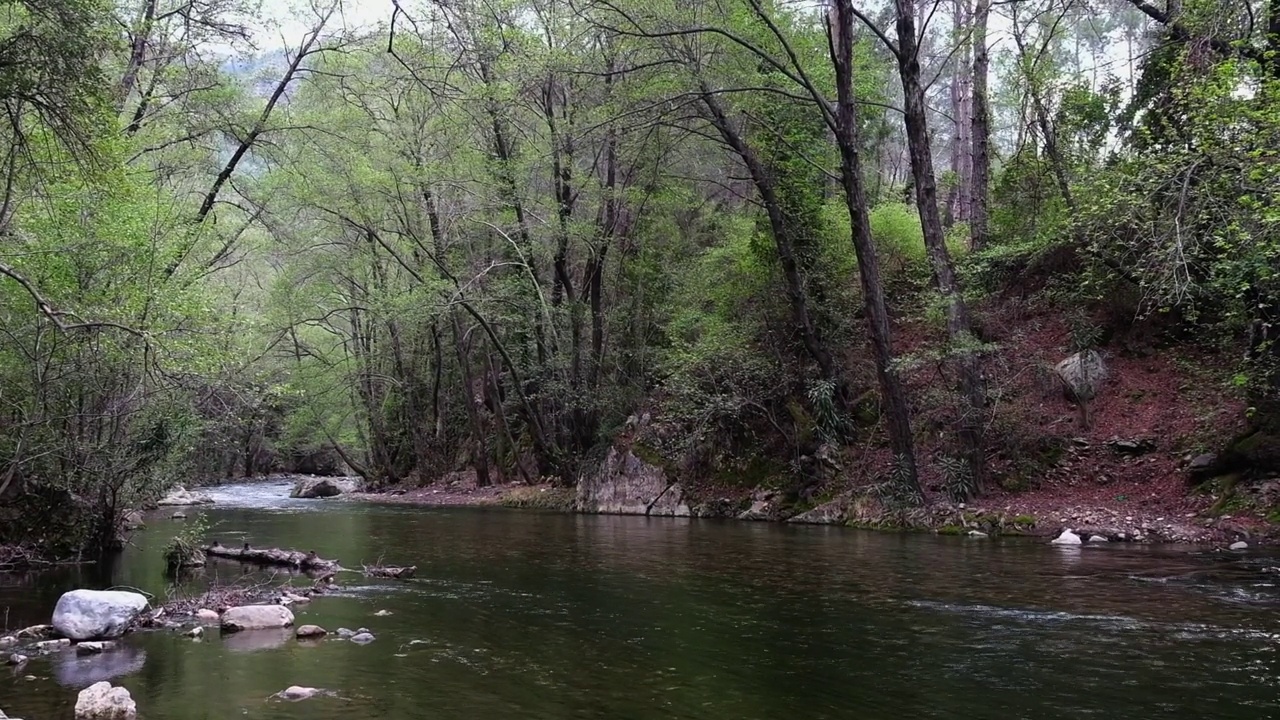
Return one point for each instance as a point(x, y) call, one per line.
point(101, 701)
point(256, 617)
point(95, 614)
point(182, 496)
point(1067, 538)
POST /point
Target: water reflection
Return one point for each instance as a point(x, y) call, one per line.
point(79, 671)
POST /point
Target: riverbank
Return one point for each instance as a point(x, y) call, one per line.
point(1142, 520)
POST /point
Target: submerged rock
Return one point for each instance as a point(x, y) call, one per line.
point(101, 701)
point(1067, 538)
point(95, 614)
point(363, 638)
point(195, 632)
point(256, 617)
point(74, 670)
point(382, 613)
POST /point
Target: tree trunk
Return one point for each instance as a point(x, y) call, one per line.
point(978, 215)
point(763, 180)
point(948, 285)
point(479, 447)
point(962, 121)
point(893, 395)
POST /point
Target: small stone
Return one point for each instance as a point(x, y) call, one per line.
point(1239, 545)
point(363, 638)
point(345, 632)
point(17, 659)
point(95, 648)
point(195, 632)
point(311, 631)
point(977, 534)
point(178, 516)
point(382, 613)
point(1097, 539)
point(48, 647)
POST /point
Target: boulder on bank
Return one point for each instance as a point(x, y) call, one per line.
point(96, 614)
point(625, 484)
point(101, 701)
point(182, 496)
point(313, 488)
point(256, 617)
point(1067, 538)
point(1083, 374)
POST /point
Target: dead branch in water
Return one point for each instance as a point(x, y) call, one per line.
point(389, 571)
point(15, 558)
point(272, 556)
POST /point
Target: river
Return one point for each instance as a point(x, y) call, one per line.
point(526, 615)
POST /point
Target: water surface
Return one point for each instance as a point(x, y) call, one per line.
point(547, 616)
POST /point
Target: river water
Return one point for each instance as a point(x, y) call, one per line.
point(535, 616)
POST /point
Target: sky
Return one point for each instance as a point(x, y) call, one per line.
point(291, 19)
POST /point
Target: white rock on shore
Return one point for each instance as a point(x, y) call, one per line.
point(1067, 538)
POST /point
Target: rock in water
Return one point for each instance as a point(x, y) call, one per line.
point(382, 613)
point(321, 488)
point(16, 659)
point(345, 632)
point(95, 614)
point(95, 648)
point(1067, 538)
point(49, 647)
point(100, 701)
point(256, 617)
point(181, 496)
point(363, 638)
point(8, 641)
point(205, 615)
point(311, 631)
point(1239, 545)
point(195, 632)
point(1098, 539)
point(297, 692)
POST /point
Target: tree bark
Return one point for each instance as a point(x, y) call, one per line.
point(978, 215)
point(893, 395)
point(944, 276)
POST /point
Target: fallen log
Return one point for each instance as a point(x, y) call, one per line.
point(387, 571)
point(272, 556)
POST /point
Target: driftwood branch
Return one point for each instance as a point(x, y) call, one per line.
point(272, 556)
